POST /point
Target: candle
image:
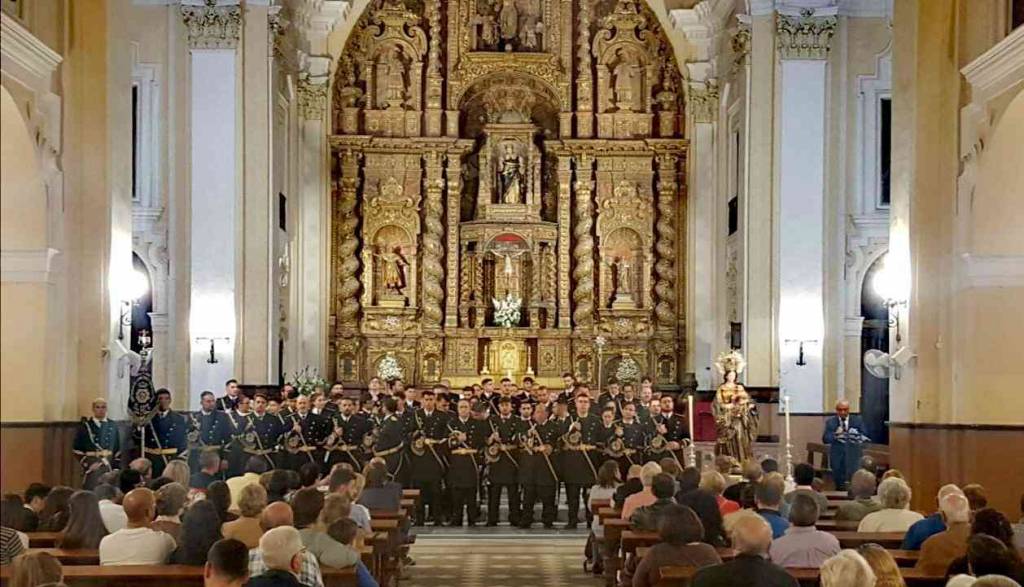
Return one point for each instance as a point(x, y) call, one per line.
point(693, 433)
point(789, 446)
point(786, 399)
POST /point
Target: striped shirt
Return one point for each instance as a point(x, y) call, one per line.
point(10, 545)
point(309, 574)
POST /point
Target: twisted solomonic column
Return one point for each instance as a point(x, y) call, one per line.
point(583, 251)
point(433, 253)
point(664, 245)
point(348, 221)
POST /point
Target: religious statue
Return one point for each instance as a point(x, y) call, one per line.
point(622, 270)
point(735, 412)
point(391, 79)
point(508, 19)
point(488, 30)
point(528, 36)
point(511, 175)
point(392, 273)
point(627, 85)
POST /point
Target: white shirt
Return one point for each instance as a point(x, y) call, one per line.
point(136, 546)
point(361, 516)
point(113, 516)
point(889, 520)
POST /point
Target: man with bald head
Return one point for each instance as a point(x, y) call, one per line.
point(844, 433)
point(751, 536)
point(137, 543)
point(279, 515)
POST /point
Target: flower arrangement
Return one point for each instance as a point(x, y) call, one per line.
point(628, 370)
point(506, 312)
point(307, 380)
point(389, 369)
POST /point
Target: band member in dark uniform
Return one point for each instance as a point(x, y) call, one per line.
point(610, 397)
point(230, 399)
point(634, 438)
point(166, 435)
point(235, 451)
point(305, 440)
point(605, 436)
point(537, 473)
point(390, 439)
point(503, 462)
point(427, 457)
point(266, 430)
point(467, 437)
point(344, 445)
point(672, 430)
point(97, 444)
point(210, 431)
point(579, 472)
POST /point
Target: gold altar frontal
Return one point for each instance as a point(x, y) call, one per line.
point(513, 208)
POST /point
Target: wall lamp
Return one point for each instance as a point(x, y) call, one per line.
point(137, 286)
point(891, 287)
point(213, 346)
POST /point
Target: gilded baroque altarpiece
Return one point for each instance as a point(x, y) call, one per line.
point(507, 192)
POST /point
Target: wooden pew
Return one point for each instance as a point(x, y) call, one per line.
point(613, 529)
point(160, 576)
point(903, 558)
point(681, 577)
point(844, 525)
point(597, 504)
point(71, 557)
point(888, 540)
point(42, 539)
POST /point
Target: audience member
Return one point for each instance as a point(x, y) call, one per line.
point(987, 555)
point(344, 532)
point(941, 549)
point(85, 527)
point(671, 467)
point(933, 524)
point(170, 502)
point(54, 516)
point(862, 490)
point(768, 497)
point(633, 485)
point(209, 471)
point(647, 518)
point(277, 486)
point(13, 513)
point(309, 475)
point(227, 564)
point(608, 481)
point(36, 569)
point(770, 466)
point(281, 550)
point(110, 508)
point(803, 475)
point(752, 537)
point(254, 467)
point(35, 501)
point(200, 529)
point(343, 481)
point(307, 504)
point(379, 493)
point(976, 496)
point(887, 572)
point(145, 468)
point(246, 528)
point(714, 483)
point(894, 495)
point(644, 496)
point(847, 569)
point(706, 508)
point(277, 515)
point(752, 474)
point(680, 532)
point(991, 523)
point(128, 480)
point(1018, 528)
point(804, 545)
point(11, 545)
point(154, 485)
point(986, 581)
point(218, 493)
point(137, 543)
point(177, 470)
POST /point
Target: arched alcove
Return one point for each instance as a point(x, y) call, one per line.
point(874, 392)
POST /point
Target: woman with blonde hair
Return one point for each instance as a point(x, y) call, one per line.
point(177, 471)
point(847, 569)
point(246, 529)
point(37, 568)
point(887, 572)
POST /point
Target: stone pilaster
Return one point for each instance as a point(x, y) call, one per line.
point(805, 36)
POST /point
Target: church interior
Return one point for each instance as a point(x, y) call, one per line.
point(783, 215)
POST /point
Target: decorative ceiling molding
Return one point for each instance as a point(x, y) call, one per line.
point(28, 266)
point(998, 69)
point(22, 48)
point(851, 8)
point(807, 36)
point(212, 25)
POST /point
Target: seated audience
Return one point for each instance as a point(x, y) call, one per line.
point(893, 473)
point(277, 486)
point(751, 537)
point(157, 483)
point(894, 495)
point(933, 524)
point(137, 543)
point(1018, 528)
point(941, 549)
point(804, 545)
point(177, 471)
point(770, 466)
point(991, 523)
point(768, 497)
point(976, 496)
point(680, 532)
point(246, 529)
point(342, 481)
point(209, 471)
point(706, 508)
point(35, 501)
point(145, 468)
point(85, 527)
point(54, 516)
point(306, 505)
point(170, 502)
point(36, 569)
point(887, 572)
point(644, 496)
point(803, 475)
point(646, 518)
point(227, 564)
point(752, 474)
point(608, 481)
point(379, 493)
point(309, 475)
point(281, 550)
point(128, 480)
point(847, 569)
point(344, 532)
point(862, 490)
point(12, 515)
point(276, 515)
point(714, 483)
point(987, 555)
point(672, 468)
point(110, 507)
point(10, 545)
point(218, 493)
point(200, 528)
point(632, 486)
point(254, 467)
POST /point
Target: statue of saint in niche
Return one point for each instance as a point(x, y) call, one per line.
point(508, 19)
point(391, 79)
point(627, 85)
point(511, 170)
point(392, 272)
point(623, 276)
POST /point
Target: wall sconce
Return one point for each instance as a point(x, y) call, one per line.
point(890, 286)
point(213, 346)
point(137, 286)
point(800, 360)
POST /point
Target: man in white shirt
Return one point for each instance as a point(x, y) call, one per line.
point(894, 494)
point(254, 467)
point(137, 543)
point(113, 515)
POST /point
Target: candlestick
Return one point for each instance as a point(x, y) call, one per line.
point(789, 445)
point(692, 453)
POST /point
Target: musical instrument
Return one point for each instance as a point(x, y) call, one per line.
point(495, 448)
point(534, 443)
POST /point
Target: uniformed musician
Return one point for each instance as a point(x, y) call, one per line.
point(503, 462)
point(579, 472)
point(210, 431)
point(166, 436)
point(634, 438)
point(304, 442)
point(346, 441)
point(427, 458)
point(266, 429)
point(611, 396)
point(97, 444)
point(466, 439)
point(235, 451)
point(537, 473)
point(390, 439)
point(671, 427)
point(230, 399)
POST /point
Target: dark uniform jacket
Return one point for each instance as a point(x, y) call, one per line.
point(390, 442)
point(536, 468)
point(268, 429)
point(578, 466)
point(168, 431)
point(227, 403)
point(505, 471)
point(315, 428)
point(464, 466)
point(215, 430)
point(433, 429)
point(97, 441)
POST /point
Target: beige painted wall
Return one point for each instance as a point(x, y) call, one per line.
point(22, 196)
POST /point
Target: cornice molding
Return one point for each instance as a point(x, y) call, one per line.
point(28, 265)
point(212, 26)
point(312, 98)
point(985, 271)
point(28, 52)
point(998, 69)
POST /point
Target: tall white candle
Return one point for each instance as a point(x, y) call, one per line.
point(789, 445)
point(689, 414)
point(787, 419)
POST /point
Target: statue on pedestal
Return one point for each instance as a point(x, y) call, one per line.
point(392, 273)
point(734, 410)
point(511, 170)
point(508, 19)
point(391, 80)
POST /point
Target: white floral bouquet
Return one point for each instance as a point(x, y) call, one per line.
point(389, 369)
point(506, 311)
point(628, 370)
point(307, 380)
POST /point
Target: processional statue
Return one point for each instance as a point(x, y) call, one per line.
point(734, 410)
point(511, 175)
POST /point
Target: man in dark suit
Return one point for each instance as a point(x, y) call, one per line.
point(844, 433)
point(751, 568)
